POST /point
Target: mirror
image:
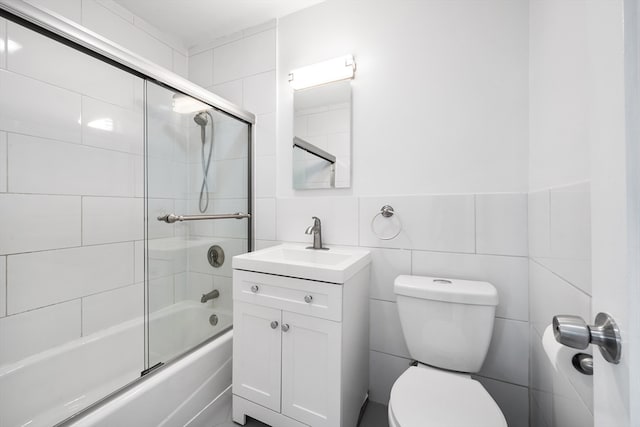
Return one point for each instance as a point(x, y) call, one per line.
point(322, 136)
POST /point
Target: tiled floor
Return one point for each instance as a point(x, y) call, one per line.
point(374, 416)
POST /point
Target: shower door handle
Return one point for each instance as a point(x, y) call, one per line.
point(171, 218)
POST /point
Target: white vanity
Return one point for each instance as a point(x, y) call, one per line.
point(301, 336)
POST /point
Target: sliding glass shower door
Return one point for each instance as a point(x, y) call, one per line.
point(197, 201)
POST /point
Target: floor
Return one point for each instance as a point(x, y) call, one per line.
point(374, 416)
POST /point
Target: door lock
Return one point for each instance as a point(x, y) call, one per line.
point(574, 332)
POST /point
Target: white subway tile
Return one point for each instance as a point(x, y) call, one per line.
point(73, 70)
point(43, 278)
point(45, 166)
point(68, 8)
point(259, 93)
point(265, 176)
point(139, 260)
point(110, 308)
point(156, 208)
point(508, 356)
point(265, 218)
point(35, 331)
point(384, 370)
point(228, 62)
point(3, 286)
point(440, 223)
point(3, 162)
point(272, 23)
point(538, 224)
point(55, 115)
point(112, 219)
point(513, 401)
point(260, 53)
point(198, 284)
point(201, 68)
point(508, 274)
point(232, 227)
point(35, 223)
point(180, 64)
point(111, 127)
point(230, 139)
point(167, 257)
point(550, 295)
point(165, 37)
point(3, 55)
point(501, 224)
point(386, 265)
point(231, 91)
point(199, 263)
point(264, 244)
point(161, 294)
point(121, 11)
point(385, 330)
point(103, 21)
point(265, 135)
point(339, 216)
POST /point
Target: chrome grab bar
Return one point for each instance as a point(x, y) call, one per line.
point(171, 218)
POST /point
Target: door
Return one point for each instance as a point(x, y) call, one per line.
point(311, 351)
point(256, 354)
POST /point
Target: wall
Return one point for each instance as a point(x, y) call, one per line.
point(560, 199)
point(424, 126)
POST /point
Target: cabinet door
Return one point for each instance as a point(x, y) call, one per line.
point(311, 350)
point(256, 354)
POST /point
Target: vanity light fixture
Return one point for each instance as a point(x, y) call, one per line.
point(333, 70)
point(184, 104)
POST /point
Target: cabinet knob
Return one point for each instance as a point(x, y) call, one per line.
point(308, 298)
point(254, 288)
point(285, 327)
point(274, 324)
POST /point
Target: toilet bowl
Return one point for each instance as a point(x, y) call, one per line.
point(447, 325)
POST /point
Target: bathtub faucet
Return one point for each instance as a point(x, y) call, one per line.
point(209, 296)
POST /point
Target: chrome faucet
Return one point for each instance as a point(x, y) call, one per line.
point(209, 296)
point(316, 230)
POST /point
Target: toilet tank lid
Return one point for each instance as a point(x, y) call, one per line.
point(447, 290)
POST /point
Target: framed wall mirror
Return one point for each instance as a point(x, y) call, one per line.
point(322, 136)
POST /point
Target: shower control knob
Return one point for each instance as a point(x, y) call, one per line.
point(308, 298)
point(285, 327)
point(274, 324)
point(254, 288)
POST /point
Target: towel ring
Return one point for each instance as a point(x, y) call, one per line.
point(386, 212)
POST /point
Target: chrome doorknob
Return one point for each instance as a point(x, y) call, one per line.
point(274, 324)
point(254, 288)
point(574, 332)
point(285, 327)
point(308, 298)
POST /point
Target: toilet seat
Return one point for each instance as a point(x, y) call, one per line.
point(429, 397)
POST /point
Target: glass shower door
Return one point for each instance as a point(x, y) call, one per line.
point(197, 195)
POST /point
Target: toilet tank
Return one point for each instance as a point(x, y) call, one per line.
point(446, 323)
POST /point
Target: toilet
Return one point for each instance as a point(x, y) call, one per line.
point(447, 324)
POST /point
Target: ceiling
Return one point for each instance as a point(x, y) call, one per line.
point(199, 21)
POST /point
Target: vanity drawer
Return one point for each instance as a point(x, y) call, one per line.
point(318, 299)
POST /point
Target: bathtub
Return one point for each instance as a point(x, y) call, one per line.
point(95, 366)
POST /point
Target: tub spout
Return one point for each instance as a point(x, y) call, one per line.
point(209, 296)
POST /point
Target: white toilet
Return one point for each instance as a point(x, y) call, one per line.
point(447, 325)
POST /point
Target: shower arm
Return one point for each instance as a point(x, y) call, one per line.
point(171, 218)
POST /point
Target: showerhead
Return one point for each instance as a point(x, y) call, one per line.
point(201, 119)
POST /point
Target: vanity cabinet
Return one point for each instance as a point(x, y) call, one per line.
point(300, 349)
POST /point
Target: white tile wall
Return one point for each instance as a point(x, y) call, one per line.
point(3, 286)
point(538, 224)
point(180, 64)
point(201, 68)
point(508, 356)
point(384, 369)
point(44, 166)
point(384, 328)
point(231, 90)
point(265, 135)
point(512, 399)
point(18, 112)
point(501, 224)
point(439, 223)
point(112, 219)
point(68, 8)
point(3, 57)
point(42, 278)
point(265, 219)
point(386, 265)
point(111, 127)
point(98, 310)
point(259, 93)
point(265, 177)
point(161, 293)
point(260, 50)
point(3, 162)
point(45, 328)
point(27, 228)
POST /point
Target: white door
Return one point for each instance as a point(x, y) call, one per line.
point(256, 354)
point(311, 351)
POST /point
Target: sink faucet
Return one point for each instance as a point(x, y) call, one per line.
point(316, 230)
point(209, 296)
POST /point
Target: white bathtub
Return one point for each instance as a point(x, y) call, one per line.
point(48, 387)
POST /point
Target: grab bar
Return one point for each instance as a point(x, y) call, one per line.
point(171, 218)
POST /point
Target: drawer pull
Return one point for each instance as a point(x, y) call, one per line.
point(254, 289)
point(274, 324)
point(285, 327)
point(308, 298)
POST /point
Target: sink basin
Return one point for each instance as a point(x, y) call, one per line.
point(336, 265)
